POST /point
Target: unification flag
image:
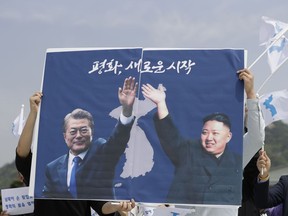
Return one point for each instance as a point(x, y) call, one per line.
point(272, 36)
point(150, 209)
point(18, 123)
point(274, 106)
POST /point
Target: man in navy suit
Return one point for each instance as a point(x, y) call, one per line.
point(91, 176)
point(57, 207)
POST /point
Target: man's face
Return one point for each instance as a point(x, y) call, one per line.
point(78, 135)
point(214, 137)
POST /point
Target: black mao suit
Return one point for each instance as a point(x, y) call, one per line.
point(200, 178)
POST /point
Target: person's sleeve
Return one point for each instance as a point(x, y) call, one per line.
point(266, 196)
point(170, 138)
point(126, 120)
point(97, 206)
point(23, 165)
point(253, 140)
point(261, 190)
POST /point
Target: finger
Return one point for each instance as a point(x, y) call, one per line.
point(242, 70)
point(145, 95)
point(245, 70)
point(242, 75)
point(133, 203)
point(150, 86)
point(127, 83)
point(146, 88)
point(161, 87)
point(39, 94)
point(129, 206)
point(248, 71)
point(132, 83)
point(124, 206)
point(119, 90)
point(135, 87)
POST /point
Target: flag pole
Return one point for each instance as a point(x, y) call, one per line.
point(261, 55)
point(21, 120)
point(264, 83)
point(273, 42)
point(269, 78)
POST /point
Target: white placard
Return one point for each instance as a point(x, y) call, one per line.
point(17, 201)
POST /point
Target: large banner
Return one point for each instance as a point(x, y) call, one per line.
point(191, 155)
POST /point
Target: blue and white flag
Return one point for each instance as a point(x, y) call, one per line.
point(272, 36)
point(274, 106)
point(18, 123)
point(150, 209)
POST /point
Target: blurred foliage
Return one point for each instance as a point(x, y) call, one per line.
point(9, 177)
point(276, 143)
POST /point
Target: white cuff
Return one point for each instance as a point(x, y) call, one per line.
point(126, 120)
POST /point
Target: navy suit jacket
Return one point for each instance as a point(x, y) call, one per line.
point(267, 197)
point(200, 178)
point(95, 173)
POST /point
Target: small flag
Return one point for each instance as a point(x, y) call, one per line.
point(18, 123)
point(274, 106)
point(272, 36)
point(150, 209)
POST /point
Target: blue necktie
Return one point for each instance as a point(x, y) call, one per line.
point(73, 183)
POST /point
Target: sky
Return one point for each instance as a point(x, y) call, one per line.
point(29, 28)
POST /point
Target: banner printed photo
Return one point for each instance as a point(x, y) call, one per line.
point(196, 83)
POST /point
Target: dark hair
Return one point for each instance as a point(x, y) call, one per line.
point(220, 117)
point(79, 114)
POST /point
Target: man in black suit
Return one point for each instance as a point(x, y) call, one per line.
point(91, 176)
point(266, 196)
point(206, 172)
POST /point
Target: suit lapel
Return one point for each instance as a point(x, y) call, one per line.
point(62, 170)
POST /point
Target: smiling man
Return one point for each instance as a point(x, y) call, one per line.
point(78, 131)
point(87, 170)
point(206, 171)
point(216, 133)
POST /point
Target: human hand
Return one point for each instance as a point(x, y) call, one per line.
point(126, 206)
point(247, 76)
point(155, 95)
point(127, 95)
point(35, 100)
point(263, 164)
point(4, 213)
point(122, 207)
